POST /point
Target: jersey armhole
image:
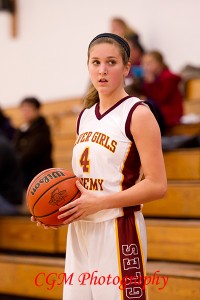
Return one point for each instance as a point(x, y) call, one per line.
point(78, 121)
point(128, 120)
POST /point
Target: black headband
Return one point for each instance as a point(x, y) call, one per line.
point(115, 37)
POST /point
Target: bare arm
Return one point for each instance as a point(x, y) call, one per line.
point(146, 134)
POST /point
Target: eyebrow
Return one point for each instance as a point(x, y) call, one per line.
point(106, 57)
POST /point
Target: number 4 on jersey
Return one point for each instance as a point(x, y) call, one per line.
point(84, 160)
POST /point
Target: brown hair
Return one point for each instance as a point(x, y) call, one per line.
point(158, 57)
point(127, 29)
point(92, 95)
point(31, 101)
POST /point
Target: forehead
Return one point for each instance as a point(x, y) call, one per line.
point(104, 50)
point(148, 58)
point(27, 106)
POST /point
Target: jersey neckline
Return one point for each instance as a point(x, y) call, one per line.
point(100, 116)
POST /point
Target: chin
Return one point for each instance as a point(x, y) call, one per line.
point(103, 91)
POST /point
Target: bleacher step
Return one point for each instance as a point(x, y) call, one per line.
point(185, 129)
point(19, 276)
point(167, 239)
point(173, 240)
point(20, 234)
point(182, 201)
point(183, 164)
point(183, 279)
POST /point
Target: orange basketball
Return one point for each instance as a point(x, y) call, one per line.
point(48, 191)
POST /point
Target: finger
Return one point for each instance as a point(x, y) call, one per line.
point(69, 205)
point(80, 186)
point(46, 227)
point(74, 217)
point(55, 227)
point(68, 213)
point(50, 227)
point(39, 223)
point(33, 219)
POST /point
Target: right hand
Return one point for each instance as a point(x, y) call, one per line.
point(41, 224)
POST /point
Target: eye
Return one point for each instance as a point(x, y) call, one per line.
point(95, 62)
point(112, 62)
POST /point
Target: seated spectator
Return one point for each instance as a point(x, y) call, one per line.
point(11, 187)
point(33, 140)
point(161, 86)
point(6, 127)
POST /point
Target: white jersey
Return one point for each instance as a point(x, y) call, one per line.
point(105, 156)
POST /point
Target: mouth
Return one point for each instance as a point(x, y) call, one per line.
point(103, 80)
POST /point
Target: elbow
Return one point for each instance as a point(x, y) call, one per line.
point(162, 190)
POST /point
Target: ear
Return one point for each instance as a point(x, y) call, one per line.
point(127, 69)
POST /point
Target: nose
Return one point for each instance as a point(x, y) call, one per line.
point(103, 69)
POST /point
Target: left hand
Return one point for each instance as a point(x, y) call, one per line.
point(33, 219)
point(76, 210)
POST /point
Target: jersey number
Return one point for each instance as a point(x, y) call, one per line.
point(84, 160)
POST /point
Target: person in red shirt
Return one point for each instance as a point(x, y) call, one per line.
point(161, 87)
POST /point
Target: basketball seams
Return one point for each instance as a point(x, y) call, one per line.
point(36, 178)
point(65, 179)
point(53, 212)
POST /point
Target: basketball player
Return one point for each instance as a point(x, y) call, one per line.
point(118, 143)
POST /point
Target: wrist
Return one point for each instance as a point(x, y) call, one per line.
point(102, 202)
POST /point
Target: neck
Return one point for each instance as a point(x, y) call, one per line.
point(107, 101)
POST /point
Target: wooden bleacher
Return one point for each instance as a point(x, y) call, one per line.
point(192, 96)
point(172, 241)
point(181, 201)
point(193, 89)
point(179, 285)
point(173, 224)
point(161, 235)
point(19, 274)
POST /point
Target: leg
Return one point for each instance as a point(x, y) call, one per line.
point(76, 264)
point(132, 249)
point(116, 254)
point(103, 261)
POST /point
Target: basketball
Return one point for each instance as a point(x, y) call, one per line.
point(48, 191)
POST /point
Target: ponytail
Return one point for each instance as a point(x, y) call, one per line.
point(91, 97)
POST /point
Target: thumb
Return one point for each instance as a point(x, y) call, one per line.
point(80, 186)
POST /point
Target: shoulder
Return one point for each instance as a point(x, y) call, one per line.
point(130, 102)
point(39, 124)
point(143, 121)
point(141, 111)
point(127, 108)
point(83, 115)
point(138, 111)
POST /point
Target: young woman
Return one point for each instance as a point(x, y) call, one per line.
point(118, 144)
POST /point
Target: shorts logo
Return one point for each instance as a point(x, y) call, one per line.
point(58, 197)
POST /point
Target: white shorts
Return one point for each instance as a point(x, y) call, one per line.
point(106, 260)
